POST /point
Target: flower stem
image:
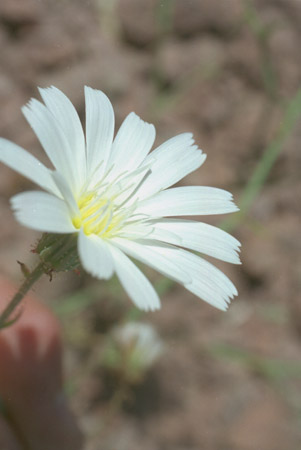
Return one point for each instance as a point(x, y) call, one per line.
point(32, 277)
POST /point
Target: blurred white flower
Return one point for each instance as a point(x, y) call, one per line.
point(141, 341)
point(113, 194)
point(131, 350)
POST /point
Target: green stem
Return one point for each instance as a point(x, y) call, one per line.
point(18, 297)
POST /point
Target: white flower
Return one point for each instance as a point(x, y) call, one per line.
point(131, 349)
point(140, 342)
point(113, 194)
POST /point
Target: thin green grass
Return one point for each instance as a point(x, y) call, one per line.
point(273, 369)
point(291, 115)
point(262, 34)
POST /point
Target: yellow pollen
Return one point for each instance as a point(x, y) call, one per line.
point(96, 215)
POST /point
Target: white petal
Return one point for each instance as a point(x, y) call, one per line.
point(151, 231)
point(95, 256)
point(68, 120)
point(99, 129)
point(205, 280)
point(42, 211)
point(208, 282)
point(173, 160)
point(188, 200)
point(136, 231)
point(132, 143)
point(137, 286)
point(174, 146)
point(124, 190)
point(66, 193)
point(24, 163)
point(159, 257)
point(53, 140)
point(200, 237)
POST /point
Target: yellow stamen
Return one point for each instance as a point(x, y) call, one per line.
point(96, 215)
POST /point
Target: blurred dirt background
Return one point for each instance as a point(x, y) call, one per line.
point(225, 71)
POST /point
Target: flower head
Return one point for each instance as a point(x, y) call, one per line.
point(112, 193)
point(132, 349)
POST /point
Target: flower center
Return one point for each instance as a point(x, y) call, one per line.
point(96, 214)
point(108, 207)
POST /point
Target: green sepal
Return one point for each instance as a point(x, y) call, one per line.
point(58, 252)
